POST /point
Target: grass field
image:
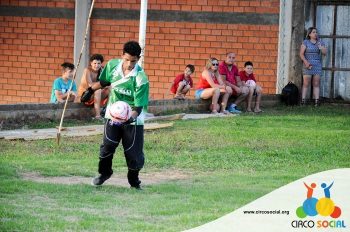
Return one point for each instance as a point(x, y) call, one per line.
point(228, 163)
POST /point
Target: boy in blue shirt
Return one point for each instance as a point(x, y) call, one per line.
point(60, 87)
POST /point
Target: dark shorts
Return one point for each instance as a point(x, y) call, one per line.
point(198, 93)
point(92, 101)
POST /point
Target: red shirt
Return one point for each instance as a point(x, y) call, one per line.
point(178, 79)
point(204, 84)
point(230, 75)
point(245, 77)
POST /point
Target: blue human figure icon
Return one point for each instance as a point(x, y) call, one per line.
point(327, 193)
point(310, 189)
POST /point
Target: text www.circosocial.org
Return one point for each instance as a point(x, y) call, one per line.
point(285, 212)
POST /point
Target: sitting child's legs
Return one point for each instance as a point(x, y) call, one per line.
point(179, 91)
point(250, 98)
point(185, 90)
point(241, 94)
point(97, 103)
point(258, 91)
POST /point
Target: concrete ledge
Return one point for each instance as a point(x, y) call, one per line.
point(160, 107)
point(22, 114)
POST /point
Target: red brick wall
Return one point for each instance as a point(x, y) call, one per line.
point(39, 3)
point(258, 6)
point(32, 49)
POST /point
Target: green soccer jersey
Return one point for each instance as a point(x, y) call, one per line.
point(132, 88)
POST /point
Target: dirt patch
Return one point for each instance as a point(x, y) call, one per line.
point(117, 179)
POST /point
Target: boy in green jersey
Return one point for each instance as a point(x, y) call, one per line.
point(129, 83)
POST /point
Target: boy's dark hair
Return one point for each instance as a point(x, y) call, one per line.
point(96, 57)
point(191, 67)
point(67, 65)
point(132, 48)
point(248, 63)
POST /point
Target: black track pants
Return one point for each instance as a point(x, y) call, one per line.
point(132, 141)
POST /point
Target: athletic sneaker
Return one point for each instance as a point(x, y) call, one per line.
point(234, 110)
point(137, 186)
point(100, 179)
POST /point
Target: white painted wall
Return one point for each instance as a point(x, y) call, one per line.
point(284, 44)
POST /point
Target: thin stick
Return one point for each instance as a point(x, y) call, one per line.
point(75, 73)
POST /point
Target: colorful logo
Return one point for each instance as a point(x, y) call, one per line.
point(323, 206)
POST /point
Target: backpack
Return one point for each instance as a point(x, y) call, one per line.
point(290, 94)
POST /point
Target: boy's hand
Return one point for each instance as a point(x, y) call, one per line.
point(320, 45)
point(127, 122)
point(72, 93)
point(130, 120)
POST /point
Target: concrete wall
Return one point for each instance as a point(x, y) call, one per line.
point(18, 115)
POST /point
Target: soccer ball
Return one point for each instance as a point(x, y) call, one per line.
point(120, 111)
point(250, 83)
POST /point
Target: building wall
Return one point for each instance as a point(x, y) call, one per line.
point(179, 32)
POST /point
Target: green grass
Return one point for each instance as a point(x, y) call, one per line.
point(231, 162)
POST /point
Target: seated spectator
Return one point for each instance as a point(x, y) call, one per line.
point(248, 78)
point(183, 83)
point(61, 85)
point(90, 77)
point(229, 72)
point(212, 86)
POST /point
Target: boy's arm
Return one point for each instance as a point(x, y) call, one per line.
point(90, 91)
point(59, 95)
point(95, 86)
point(242, 78)
point(74, 90)
point(175, 82)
